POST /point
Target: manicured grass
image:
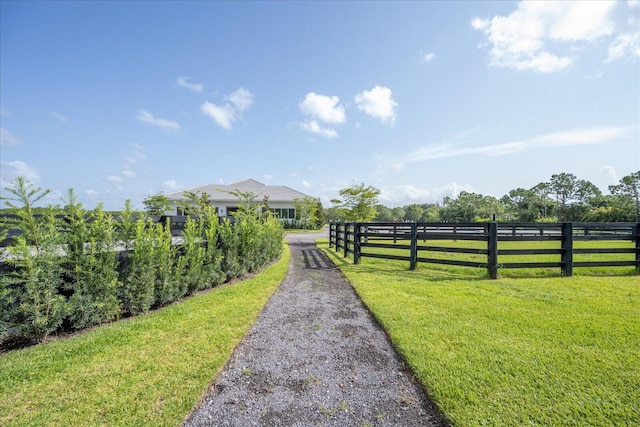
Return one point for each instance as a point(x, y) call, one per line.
point(148, 370)
point(537, 351)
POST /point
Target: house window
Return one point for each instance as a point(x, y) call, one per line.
point(184, 211)
point(284, 213)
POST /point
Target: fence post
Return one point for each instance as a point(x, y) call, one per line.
point(492, 250)
point(637, 227)
point(331, 228)
point(413, 257)
point(567, 249)
point(395, 231)
point(346, 239)
point(356, 243)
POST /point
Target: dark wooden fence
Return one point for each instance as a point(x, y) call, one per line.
point(355, 238)
point(176, 224)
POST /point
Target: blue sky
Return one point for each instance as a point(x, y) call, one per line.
point(120, 100)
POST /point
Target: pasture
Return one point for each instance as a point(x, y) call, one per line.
point(526, 349)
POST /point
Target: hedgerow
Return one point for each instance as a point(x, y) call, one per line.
point(70, 268)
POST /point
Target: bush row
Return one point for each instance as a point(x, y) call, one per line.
point(88, 269)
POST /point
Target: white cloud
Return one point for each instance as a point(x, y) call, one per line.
point(195, 87)
point(59, 116)
point(518, 40)
point(172, 185)
point(268, 177)
point(314, 127)
point(323, 107)
point(146, 117)
point(134, 158)
point(7, 138)
point(574, 137)
point(306, 184)
point(128, 173)
point(225, 115)
point(130, 160)
point(242, 99)
point(114, 179)
point(401, 195)
point(91, 192)
point(11, 170)
point(624, 45)
point(610, 171)
point(429, 57)
point(378, 103)
point(453, 190)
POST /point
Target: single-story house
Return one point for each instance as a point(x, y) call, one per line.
point(280, 198)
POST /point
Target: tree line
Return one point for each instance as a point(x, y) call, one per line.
point(563, 198)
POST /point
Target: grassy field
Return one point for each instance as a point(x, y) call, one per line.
point(148, 370)
point(526, 272)
point(524, 351)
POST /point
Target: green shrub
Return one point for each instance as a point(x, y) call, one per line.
point(90, 265)
point(166, 284)
point(6, 307)
point(229, 243)
point(36, 259)
point(53, 260)
point(138, 274)
point(190, 264)
point(212, 270)
point(37, 277)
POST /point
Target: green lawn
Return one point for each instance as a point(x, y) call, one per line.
point(526, 272)
point(148, 370)
point(524, 351)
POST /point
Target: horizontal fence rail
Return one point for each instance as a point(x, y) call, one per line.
point(411, 242)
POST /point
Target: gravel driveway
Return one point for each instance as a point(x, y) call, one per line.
point(315, 357)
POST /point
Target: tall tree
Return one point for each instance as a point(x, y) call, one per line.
point(431, 213)
point(384, 214)
point(572, 195)
point(470, 207)
point(413, 212)
point(520, 205)
point(629, 187)
point(544, 204)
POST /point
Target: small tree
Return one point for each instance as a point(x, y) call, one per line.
point(307, 212)
point(36, 258)
point(320, 218)
point(195, 203)
point(157, 204)
point(126, 228)
point(358, 203)
point(90, 264)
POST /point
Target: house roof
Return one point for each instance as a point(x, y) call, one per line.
point(221, 192)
